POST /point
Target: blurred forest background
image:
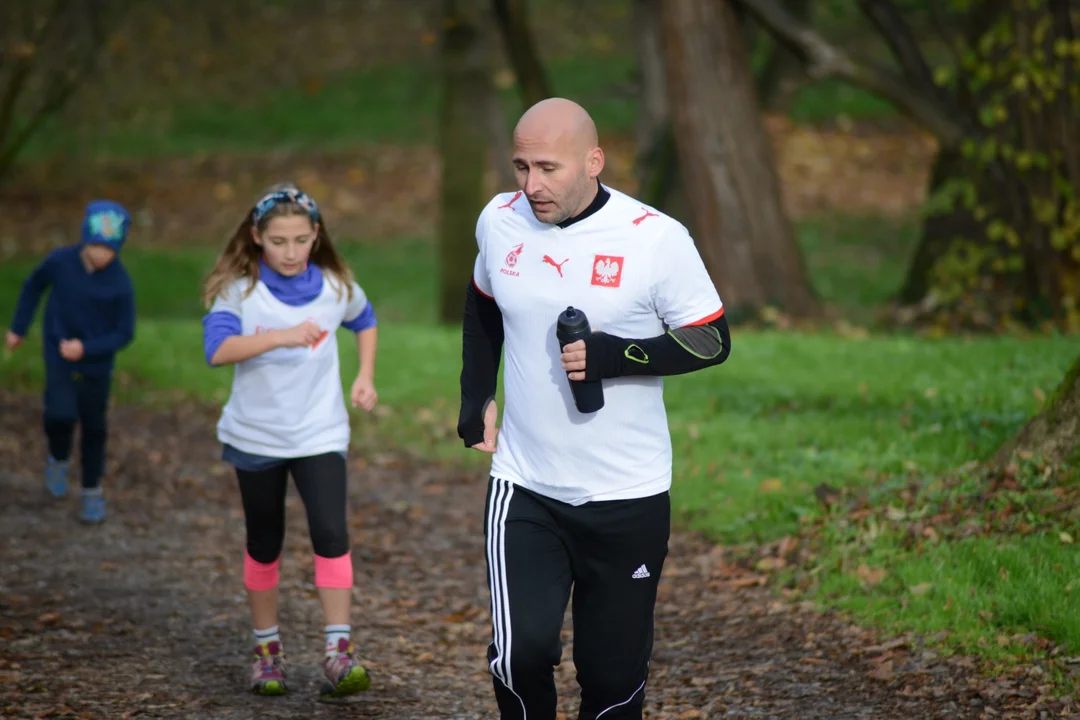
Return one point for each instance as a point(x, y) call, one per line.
point(885, 192)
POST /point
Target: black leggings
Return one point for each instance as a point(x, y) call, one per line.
point(321, 481)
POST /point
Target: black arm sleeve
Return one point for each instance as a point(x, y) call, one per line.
point(481, 348)
point(678, 351)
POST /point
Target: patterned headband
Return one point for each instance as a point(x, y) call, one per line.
point(281, 196)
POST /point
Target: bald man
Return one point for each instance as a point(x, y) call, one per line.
point(577, 501)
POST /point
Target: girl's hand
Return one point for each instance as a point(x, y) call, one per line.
point(363, 393)
point(302, 335)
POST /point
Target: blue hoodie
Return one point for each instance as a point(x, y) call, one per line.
point(97, 308)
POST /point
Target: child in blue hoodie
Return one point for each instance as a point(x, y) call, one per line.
point(90, 315)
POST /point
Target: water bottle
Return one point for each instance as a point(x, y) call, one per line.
point(572, 326)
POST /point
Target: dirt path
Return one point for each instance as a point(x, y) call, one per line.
point(144, 616)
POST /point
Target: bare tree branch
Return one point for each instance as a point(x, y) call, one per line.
point(79, 31)
point(824, 60)
point(783, 73)
point(26, 56)
point(890, 24)
point(56, 99)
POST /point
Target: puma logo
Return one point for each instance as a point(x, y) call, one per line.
point(511, 203)
point(552, 263)
point(648, 214)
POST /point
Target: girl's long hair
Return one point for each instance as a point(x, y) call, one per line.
point(240, 258)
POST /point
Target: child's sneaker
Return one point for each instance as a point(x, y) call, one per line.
point(344, 675)
point(93, 508)
point(56, 472)
point(268, 670)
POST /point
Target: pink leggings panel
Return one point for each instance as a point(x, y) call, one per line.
point(260, 576)
point(334, 572)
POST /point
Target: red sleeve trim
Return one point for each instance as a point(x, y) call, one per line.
point(707, 319)
point(489, 297)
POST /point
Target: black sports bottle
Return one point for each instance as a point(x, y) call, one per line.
point(572, 326)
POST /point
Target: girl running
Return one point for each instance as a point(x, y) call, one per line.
point(276, 297)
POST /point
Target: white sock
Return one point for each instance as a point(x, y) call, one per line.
point(92, 491)
point(268, 635)
point(335, 633)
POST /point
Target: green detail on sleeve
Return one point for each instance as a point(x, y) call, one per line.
point(701, 341)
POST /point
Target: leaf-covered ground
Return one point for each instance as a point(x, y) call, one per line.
point(145, 616)
point(388, 191)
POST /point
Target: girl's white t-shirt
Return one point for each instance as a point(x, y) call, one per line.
point(287, 402)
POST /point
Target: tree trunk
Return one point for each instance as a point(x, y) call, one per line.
point(1053, 434)
point(972, 273)
point(513, 19)
point(653, 117)
point(727, 163)
point(938, 231)
point(500, 148)
point(657, 166)
point(464, 146)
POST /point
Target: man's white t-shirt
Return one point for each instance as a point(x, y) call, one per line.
point(631, 270)
point(288, 402)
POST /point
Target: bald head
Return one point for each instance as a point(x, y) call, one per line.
point(560, 121)
point(557, 158)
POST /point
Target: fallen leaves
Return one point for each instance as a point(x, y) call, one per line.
point(725, 646)
point(883, 672)
point(771, 485)
point(163, 192)
point(871, 576)
point(1023, 498)
point(920, 589)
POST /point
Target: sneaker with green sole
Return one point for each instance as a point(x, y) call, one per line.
point(344, 674)
point(268, 670)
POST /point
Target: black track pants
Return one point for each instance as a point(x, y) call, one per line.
point(611, 555)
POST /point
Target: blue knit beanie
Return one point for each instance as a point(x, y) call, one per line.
point(105, 223)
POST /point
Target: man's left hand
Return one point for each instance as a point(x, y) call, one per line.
point(573, 359)
point(71, 350)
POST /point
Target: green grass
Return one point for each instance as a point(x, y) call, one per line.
point(986, 592)
point(857, 263)
point(393, 103)
point(807, 409)
point(830, 99)
point(395, 276)
point(801, 409)
point(853, 261)
point(752, 439)
point(988, 559)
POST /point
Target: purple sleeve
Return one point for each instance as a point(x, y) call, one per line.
point(217, 327)
point(364, 321)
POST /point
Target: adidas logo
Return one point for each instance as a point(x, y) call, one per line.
point(641, 572)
